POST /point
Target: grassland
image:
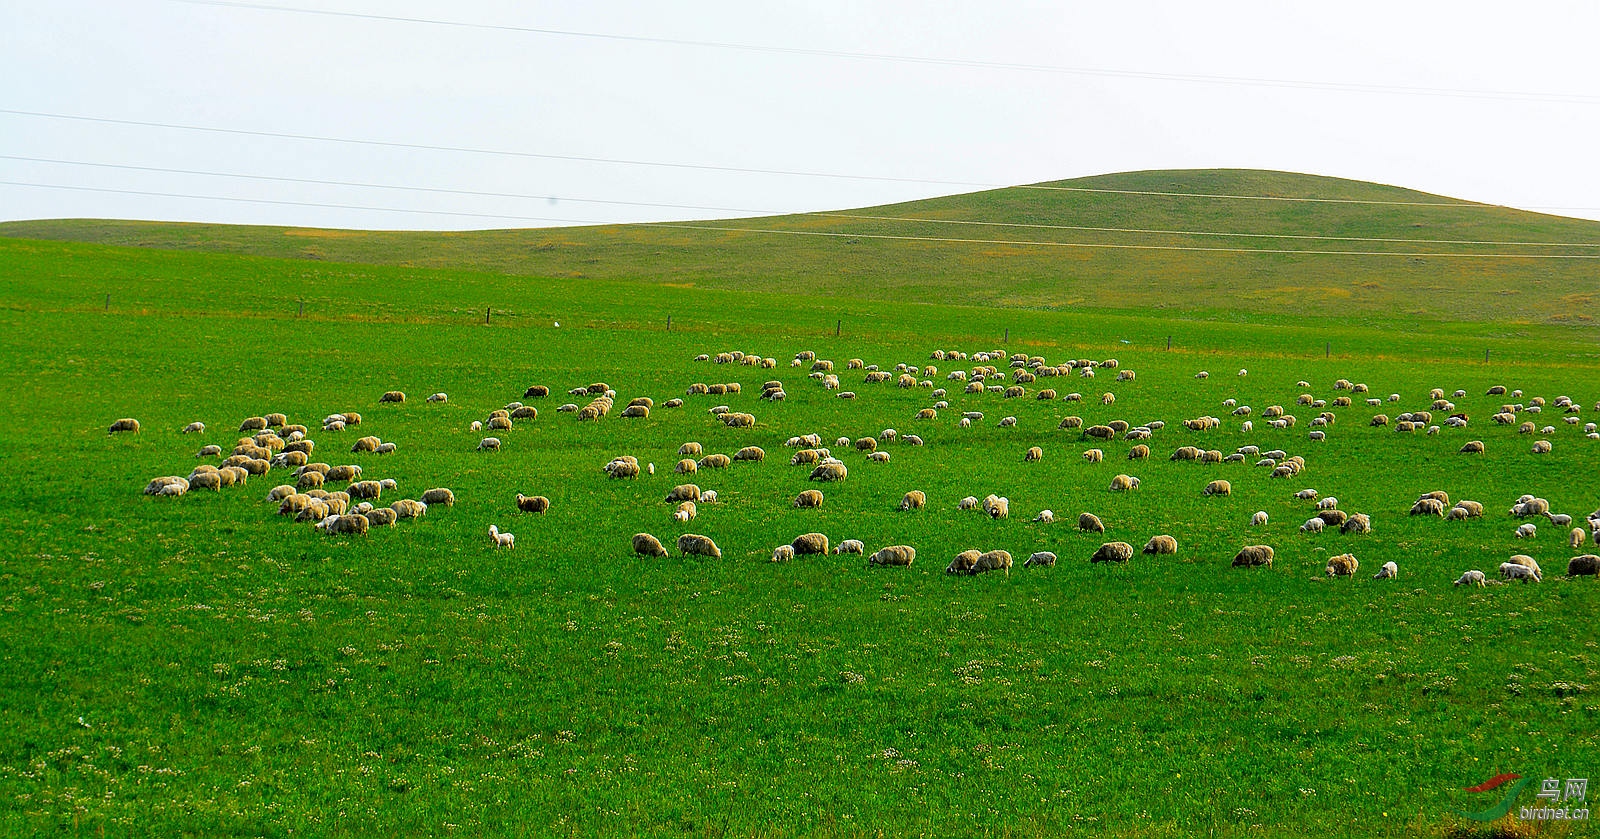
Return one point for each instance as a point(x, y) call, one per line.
point(841, 254)
point(200, 667)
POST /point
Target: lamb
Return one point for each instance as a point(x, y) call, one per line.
point(968, 503)
point(1357, 524)
point(1033, 455)
point(1113, 552)
point(501, 540)
point(810, 499)
point(1527, 531)
point(213, 451)
point(1090, 523)
point(878, 457)
point(1041, 559)
point(1577, 537)
point(1343, 565)
point(126, 424)
point(407, 508)
point(489, 444)
point(438, 397)
point(1587, 565)
point(964, 562)
point(1514, 571)
point(694, 544)
point(810, 543)
point(1218, 487)
point(1427, 506)
point(850, 546)
point(1259, 519)
point(914, 500)
point(1329, 503)
point(1559, 519)
point(1094, 456)
point(997, 507)
point(1389, 571)
point(911, 440)
point(895, 554)
point(783, 553)
point(830, 471)
point(1313, 525)
point(1124, 483)
point(685, 511)
point(392, 396)
point(1472, 578)
point(1162, 544)
point(1045, 517)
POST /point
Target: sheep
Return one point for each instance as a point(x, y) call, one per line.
point(750, 454)
point(1306, 494)
point(1071, 422)
point(1218, 487)
point(646, 545)
point(1576, 538)
point(685, 511)
point(694, 544)
point(1470, 509)
point(683, 492)
point(1559, 519)
point(1472, 578)
point(392, 396)
point(315, 510)
point(1541, 447)
point(1329, 503)
point(810, 499)
point(126, 424)
point(1162, 544)
point(1357, 524)
point(501, 540)
point(902, 555)
point(1389, 571)
point(968, 503)
point(1514, 571)
point(439, 495)
point(1258, 519)
point(1333, 517)
point(1587, 565)
point(156, 484)
point(810, 543)
point(1113, 552)
point(1040, 559)
point(344, 473)
point(365, 489)
point(829, 472)
point(992, 561)
point(280, 492)
point(1529, 563)
point(1527, 530)
point(997, 507)
point(340, 523)
point(1428, 506)
point(1045, 517)
point(714, 461)
point(782, 553)
point(911, 440)
point(963, 562)
point(1313, 525)
point(1006, 422)
point(1094, 456)
point(380, 517)
point(914, 500)
point(209, 451)
point(1090, 523)
point(310, 480)
point(1343, 565)
point(1253, 555)
point(850, 546)
point(1531, 507)
point(1123, 483)
point(489, 444)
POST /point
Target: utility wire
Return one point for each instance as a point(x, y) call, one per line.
point(818, 233)
point(716, 168)
point(1299, 84)
point(822, 214)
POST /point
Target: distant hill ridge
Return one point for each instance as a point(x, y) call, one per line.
point(1033, 251)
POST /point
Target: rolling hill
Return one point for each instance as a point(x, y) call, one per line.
point(1404, 253)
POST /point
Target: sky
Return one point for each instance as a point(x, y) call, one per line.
point(492, 113)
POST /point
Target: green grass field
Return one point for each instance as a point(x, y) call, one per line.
point(199, 666)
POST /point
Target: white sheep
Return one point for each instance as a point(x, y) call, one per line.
point(1312, 525)
point(1515, 571)
point(1472, 578)
point(1329, 503)
point(477, 425)
point(1045, 516)
point(1527, 531)
point(489, 444)
point(1389, 571)
point(502, 540)
point(438, 397)
point(1259, 519)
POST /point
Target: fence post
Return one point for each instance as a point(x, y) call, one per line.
point(1008, 335)
point(837, 325)
point(1169, 342)
point(669, 323)
point(1485, 356)
point(108, 302)
point(302, 309)
point(1328, 352)
point(486, 312)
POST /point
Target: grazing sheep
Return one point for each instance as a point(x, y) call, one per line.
point(1357, 524)
point(1094, 455)
point(635, 412)
point(126, 424)
point(1428, 507)
point(477, 425)
point(992, 561)
point(344, 473)
point(1343, 565)
point(195, 428)
point(997, 507)
point(1253, 555)
point(810, 499)
point(963, 562)
point(686, 466)
point(715, 461)
point(968, 503)
point(1218, 487)
point(1259, 519)
point(1090, 523)
point(1529, 563)
point(1470, 509)
point(392, 396)
point(829, 471)
point(1041, 559)
point(1333, 517)
point(1071, 422)
point(1162, 544)
point(810, 543)
point(1329, 503)
point(694, 544)
point(1124, 483)
point(646, 545)
point(532, 504)
point(438, 397)
point(1531, 507)
point(683, 492)
point(1389, 571)
point(1313, 525)
point(1527, 531)
point(1559, 519)
point(1541, 447)
point(685, 511)
point(1577, 537)
point(364, 489)
point(783, 553)
point(310, 480)
point(1587, 565)
point(850, 546)
point(213, 451)
point(1472, 578)
point(381, 517)
point(878, 457)
point(489, 444)
point(902, 555)
point(914, 500)
point(1045, 517)
point(750, 454)
point(1033, 455)
point(1513, 571)
point(439, 495)
point(1113, 552)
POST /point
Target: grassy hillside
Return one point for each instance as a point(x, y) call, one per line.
point(855, 265)
point(199, 666)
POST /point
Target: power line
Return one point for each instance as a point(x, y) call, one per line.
point(718, 168)
point(823, 214)
point(818, 233)
point(1299, 84)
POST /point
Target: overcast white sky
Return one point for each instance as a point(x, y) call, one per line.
point(262, 70)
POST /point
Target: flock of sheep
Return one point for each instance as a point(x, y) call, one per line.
point(277, 444)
